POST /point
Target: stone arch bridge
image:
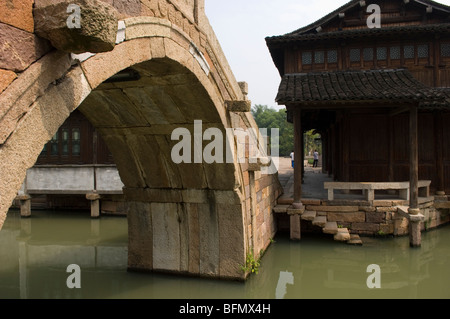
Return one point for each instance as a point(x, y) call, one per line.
point(138, 70)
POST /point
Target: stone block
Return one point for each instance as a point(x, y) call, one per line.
point(367, 208)
point(356, 217)
point(442, 204)
point(320, 221)
point(355, 240)
point(295, 211)
point(244, 87)
point(6, 78)
point(19, 49)
point(342, 235)
point(140, 236)
point(93, 196)
point(366, 227)
point(96, 32)
point(209, 240)
point(238, 106)
point(128, 8)
point(166, 237)
point(384, 209)
point(309, 215)
point(333, 208)
point(139, 27)
point(330, 228)
point(345, 202)
point(99, 68)
point(382, 203)
point(387, 228)
point(18, 13)
point(311, 202)
point(280, 209)
point(375, 217)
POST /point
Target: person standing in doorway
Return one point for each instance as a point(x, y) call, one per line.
point(316, 159)
point(292, 159)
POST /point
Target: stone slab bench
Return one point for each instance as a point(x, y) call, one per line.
point(368, 188)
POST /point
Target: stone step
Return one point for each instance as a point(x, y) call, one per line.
point(355, 240)
point(309, 215)
point(331, 228)
point(320, 221)
point(280, 209)
point(342, 235)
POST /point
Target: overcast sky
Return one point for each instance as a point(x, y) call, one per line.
point(242, 26)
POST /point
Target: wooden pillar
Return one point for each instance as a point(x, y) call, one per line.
point(345, 146)
point(330, 151)
point(439, 146)
point(324, 136)
point(415, 218)
point(298, 151)
point(391, 149)
point(413, 160)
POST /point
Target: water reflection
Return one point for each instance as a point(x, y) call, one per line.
point(35, 253)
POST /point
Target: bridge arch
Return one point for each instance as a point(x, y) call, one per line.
point(185, 218)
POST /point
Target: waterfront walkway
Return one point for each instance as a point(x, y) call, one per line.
point(312, 186)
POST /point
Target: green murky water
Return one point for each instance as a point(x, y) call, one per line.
point(35, 253)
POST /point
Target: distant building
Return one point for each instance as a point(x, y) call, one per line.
point(74, 169)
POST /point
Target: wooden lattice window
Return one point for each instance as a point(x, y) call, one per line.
point(355, 55)
point(395, 53)
point(332, 56)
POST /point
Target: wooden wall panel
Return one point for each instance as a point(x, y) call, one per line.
point(446, 150)
point(369, 147)
point(427, 148)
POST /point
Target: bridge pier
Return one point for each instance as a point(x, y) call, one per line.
point(201, 233)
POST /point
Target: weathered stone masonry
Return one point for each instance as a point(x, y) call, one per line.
point(195, 219)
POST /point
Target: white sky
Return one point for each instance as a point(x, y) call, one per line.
point(242, 26)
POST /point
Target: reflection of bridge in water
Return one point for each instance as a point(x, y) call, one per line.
point(42, 248)
point(34, 265)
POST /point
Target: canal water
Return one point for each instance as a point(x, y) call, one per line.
point(35, 254)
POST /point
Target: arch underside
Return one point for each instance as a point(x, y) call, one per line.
point(182, 217)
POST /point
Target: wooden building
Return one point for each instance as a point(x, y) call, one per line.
point(75, 170)
point(371, 78)
point(77, 142)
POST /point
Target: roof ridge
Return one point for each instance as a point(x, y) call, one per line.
point(312, 26)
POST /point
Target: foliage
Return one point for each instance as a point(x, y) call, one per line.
point(270, 118)
point(310, 142)
point(251, 264)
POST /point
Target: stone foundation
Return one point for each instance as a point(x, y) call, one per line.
point(374, 218)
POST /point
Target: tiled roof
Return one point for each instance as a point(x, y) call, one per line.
point(308, 32)
point(361, 33)
point(355, 87)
